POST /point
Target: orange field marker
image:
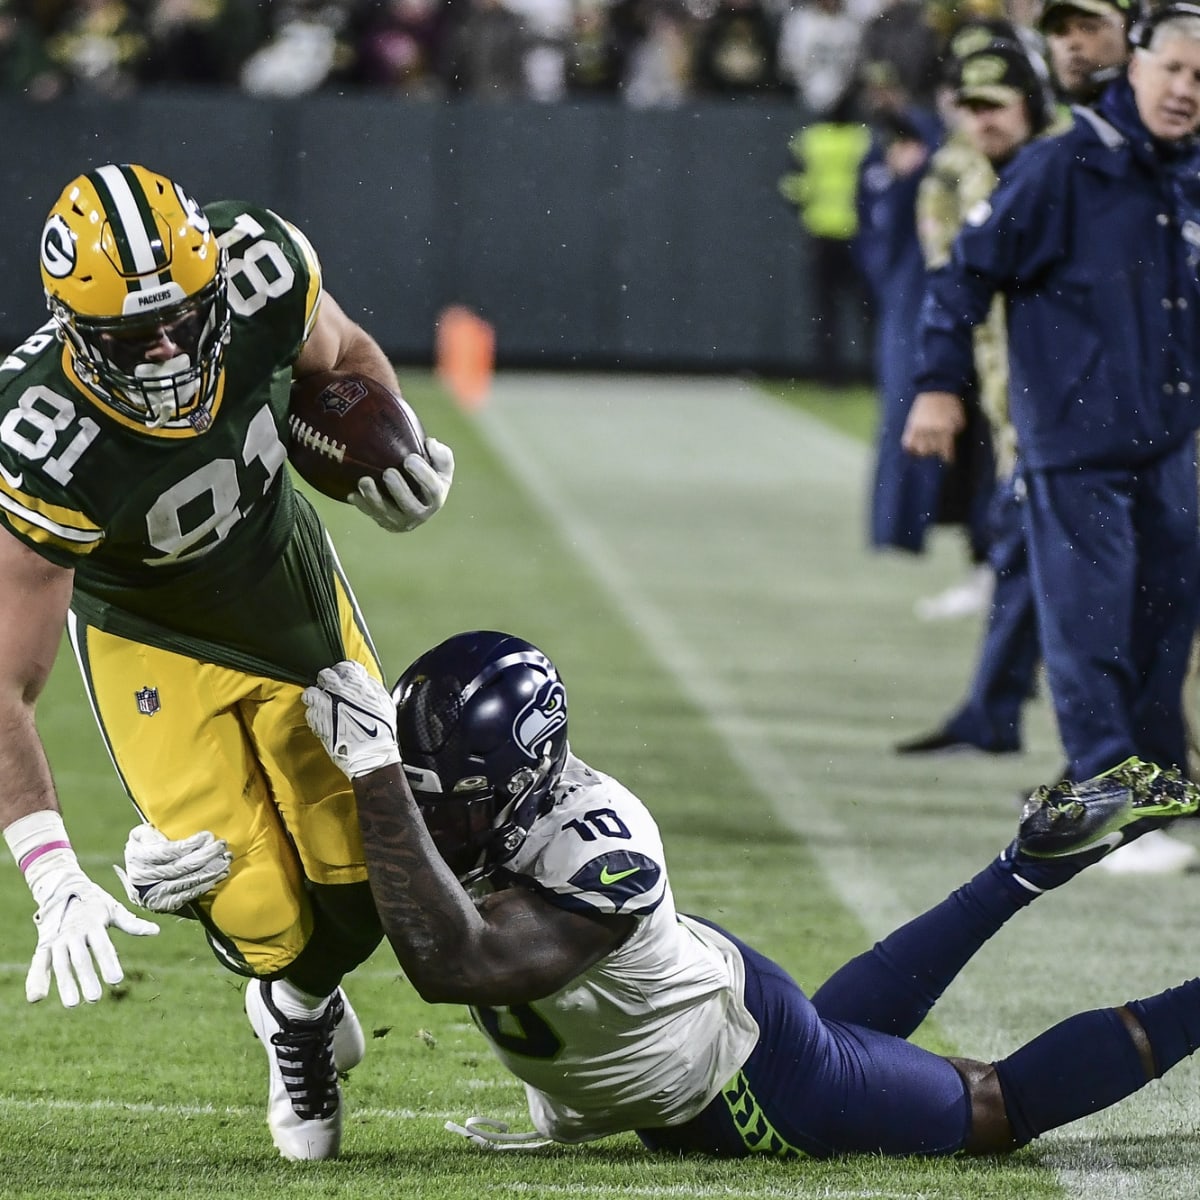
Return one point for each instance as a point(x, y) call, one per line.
point(465, 349)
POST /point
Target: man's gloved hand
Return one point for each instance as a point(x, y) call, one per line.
point(72, 920)
point(403, 509)
point(355, 718)
point(164, 875)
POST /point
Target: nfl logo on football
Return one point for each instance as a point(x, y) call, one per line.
point(342, 396)
point(147, 701)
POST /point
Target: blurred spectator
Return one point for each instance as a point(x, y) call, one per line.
point(98, 47)
point(902, 38)
point(828, 152)
point(659, 64)
point(25, 67)
point(485, 52)
point(399, 46)
point(595, 56)
point(818, 53)
point(199, 41)
point(547, 28)
point(737, 51)
point(906, 494)
point(302, 49)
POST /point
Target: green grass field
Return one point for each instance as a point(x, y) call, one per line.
point(691, 554)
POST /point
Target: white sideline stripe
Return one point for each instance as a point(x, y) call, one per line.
point(852, 876)
point(688, 1189)
point(227, 1110)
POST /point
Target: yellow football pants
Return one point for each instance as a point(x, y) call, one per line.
point(199, 747)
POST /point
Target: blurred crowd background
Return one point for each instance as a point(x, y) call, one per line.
point(646, 53)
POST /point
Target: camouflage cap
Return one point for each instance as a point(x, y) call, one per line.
point(1127, 10)
point(999, 73)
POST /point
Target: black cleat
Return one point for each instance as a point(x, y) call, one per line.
point(942, 743)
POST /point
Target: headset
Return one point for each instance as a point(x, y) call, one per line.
point(1142, 31)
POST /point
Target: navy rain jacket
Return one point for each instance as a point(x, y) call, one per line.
point(1094, 236)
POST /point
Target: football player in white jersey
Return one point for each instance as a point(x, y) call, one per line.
point(512, 877)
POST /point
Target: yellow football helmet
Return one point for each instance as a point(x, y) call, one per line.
point(136, 283)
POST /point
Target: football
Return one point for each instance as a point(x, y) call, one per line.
point(343, 426)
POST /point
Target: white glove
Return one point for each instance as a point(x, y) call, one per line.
point(403, 509)
point(355, 718)
point(72, 921)
point(164, 875)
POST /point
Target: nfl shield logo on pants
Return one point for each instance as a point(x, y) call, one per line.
point(147, 701)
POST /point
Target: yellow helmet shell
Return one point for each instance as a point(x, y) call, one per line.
point(122, 240)
point(125, 250)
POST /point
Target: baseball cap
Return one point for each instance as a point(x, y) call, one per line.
point(1126, 9)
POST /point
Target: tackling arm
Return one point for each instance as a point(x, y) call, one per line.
point(513, 948)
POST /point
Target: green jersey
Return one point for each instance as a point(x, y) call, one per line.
point(192, 540)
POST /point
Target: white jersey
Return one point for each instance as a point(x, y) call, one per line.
point(649, 1034)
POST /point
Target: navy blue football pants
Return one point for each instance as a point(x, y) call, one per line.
point(1114, 556)
point(818, 1086)
point(990, 716)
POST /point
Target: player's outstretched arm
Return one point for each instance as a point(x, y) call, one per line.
point(514, 947)
point(74, 914)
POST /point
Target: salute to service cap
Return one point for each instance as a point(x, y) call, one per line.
point(1053, 10)
point(999, 73)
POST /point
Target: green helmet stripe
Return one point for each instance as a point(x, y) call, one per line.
point(131, 220)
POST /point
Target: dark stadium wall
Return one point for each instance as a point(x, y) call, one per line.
point(589, 235)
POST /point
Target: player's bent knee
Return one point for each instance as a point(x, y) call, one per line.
point(264, 913)
point(990, 1131)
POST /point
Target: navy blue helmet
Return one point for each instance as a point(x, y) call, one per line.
point(482, 727)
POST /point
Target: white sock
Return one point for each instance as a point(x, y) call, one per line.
point(295, 1004)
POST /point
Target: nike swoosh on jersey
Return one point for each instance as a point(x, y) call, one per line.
point(607, 877)
point(14, 481)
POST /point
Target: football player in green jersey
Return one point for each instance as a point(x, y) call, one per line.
point(144, 504)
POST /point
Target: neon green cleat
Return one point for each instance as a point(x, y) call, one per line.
point(1085, 821)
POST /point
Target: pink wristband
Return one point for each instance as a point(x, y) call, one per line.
point(29, 859)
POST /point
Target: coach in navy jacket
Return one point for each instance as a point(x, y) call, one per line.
point(1094, 239)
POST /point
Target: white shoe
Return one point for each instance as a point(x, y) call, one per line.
point(1154, 853)
point(304, 1102)
point(962, 600)
point(349, 1042)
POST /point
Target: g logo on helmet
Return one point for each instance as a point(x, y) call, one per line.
point(58, 248)
point(195, 214)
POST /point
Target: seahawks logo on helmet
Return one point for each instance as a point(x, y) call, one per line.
point(541, 718)
point(58, 248)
